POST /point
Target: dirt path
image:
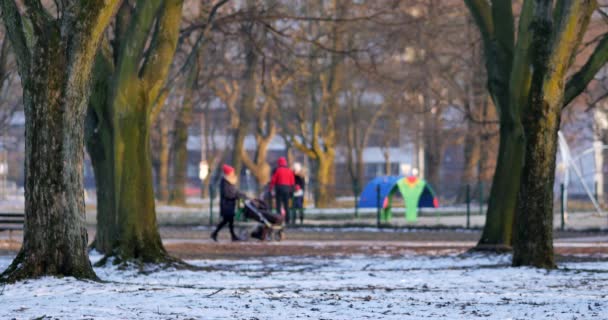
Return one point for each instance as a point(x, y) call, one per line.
point(194, 243)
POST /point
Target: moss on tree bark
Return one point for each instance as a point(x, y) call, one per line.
point(55, 72)
point(136, 88)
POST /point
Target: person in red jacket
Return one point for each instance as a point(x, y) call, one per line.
point(282, 182)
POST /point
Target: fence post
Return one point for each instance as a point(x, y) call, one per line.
point(356, 200)
point(562, 209)
point(468, 197)
point(291, 211)
point(378, 206)
point(481, 198)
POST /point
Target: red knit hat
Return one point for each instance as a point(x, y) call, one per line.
point(227, 169)
point(282, 162)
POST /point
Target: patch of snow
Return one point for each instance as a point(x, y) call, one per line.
point(356, 287)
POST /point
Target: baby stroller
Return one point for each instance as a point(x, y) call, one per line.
point(271, 225)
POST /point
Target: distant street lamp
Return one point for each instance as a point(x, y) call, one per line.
point(203, 170)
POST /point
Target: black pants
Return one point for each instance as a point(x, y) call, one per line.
point(230, 222)
point(282, 200)
point(298, 207)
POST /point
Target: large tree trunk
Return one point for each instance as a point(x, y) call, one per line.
point(553, 46)
point(533, 243)
point(136, 98)
point(55, 76)
point(498, 229)
point(55, 237)
point(138, 237)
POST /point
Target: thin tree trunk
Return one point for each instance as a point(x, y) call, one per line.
point(471, 151)
point(100, 150)
point(180, 158)
point(180, 141)
point(163, 167)
point(99, 142)
point(324, 189)
point(359, 172)
point(239, 145)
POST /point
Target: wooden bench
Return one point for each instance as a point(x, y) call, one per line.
point(11, 221)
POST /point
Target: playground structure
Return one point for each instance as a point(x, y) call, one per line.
point(571, 163)
point(416, 193)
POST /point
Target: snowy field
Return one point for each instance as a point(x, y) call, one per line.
point(360, 287)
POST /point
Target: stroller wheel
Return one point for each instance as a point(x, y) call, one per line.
point(278, 235)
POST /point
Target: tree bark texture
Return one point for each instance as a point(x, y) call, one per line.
point(556, 37)
point(498, 229)
point(99, 143)
point(136, 88)
point(180, 142)
point(325, 180)
point(55, 73)
point(164, 156)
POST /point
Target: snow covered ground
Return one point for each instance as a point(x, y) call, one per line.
point(359, 287)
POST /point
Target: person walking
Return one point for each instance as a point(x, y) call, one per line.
point(229, 195)
point(282, 183)
point(298, 195)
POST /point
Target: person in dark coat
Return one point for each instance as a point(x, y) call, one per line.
point(282, 183)
point(229, 195)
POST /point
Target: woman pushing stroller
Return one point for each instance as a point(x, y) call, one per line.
point(229, 195)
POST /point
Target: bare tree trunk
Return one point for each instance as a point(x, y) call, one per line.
point(553, 45)
point(180, 141)
point(533, 243)
point(324, 188)
point(471, 153)
point(239, 145)
point(498, 229)
point(138, 237)
point(163, 167)
point(99, 142)
point(55, 76)
point(137, 95)
point(53, 183)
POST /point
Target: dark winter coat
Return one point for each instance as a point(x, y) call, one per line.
point(300, 182)
point(229, 195)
